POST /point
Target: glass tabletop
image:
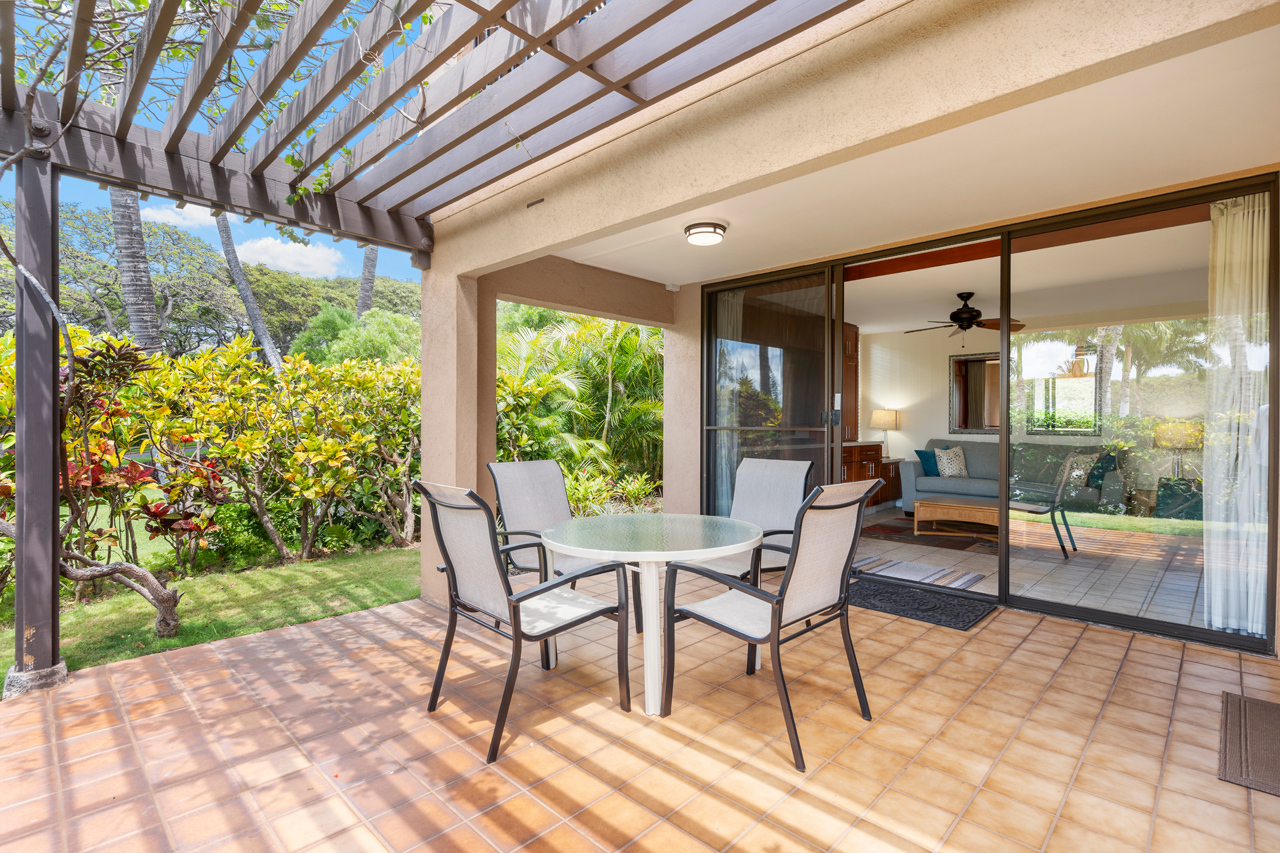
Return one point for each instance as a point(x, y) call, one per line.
point(651, 536)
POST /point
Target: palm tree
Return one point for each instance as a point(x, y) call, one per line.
point(260, 331)
point(136, 292)
point(1178, 344)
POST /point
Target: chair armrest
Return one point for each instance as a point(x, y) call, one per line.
point(507, 549)
point(769, 546)
point(565, 580)
point(731, 582)
point(769, 533)
point(503, 534)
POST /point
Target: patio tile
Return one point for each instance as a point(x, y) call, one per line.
point(315, 822)
point(514, 822)
point(408, 824)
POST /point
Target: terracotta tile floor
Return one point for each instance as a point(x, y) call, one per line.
point(1026, 733)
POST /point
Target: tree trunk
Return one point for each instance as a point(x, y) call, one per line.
point(1108, 338)
point(365, 300)
point(1125, 384)
point(260, 332)
point(135, 273)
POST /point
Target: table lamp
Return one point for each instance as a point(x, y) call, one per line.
point(884, 419)
point(1179, 436)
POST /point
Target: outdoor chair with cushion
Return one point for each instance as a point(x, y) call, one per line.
point(766, 493)
point(814, 589)
point(531, 498)
point(479, 590)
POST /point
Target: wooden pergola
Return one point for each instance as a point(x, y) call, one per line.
point(499, 84)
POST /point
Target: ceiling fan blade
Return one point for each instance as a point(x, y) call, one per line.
point(994, 324)
point(925, 329)
point(958, 331)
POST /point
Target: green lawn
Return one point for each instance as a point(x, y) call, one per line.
point(228, 605)
point(1104, 521)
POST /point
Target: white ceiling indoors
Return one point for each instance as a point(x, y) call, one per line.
point(1208, 113)
point(1150, 268)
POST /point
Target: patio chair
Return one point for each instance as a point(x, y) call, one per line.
point(766, 493)
point(479, 590)
point(815, 588)
point(531, 498)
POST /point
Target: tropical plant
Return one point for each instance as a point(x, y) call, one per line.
point(378, 336)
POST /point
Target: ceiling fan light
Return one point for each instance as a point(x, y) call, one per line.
point(704, 233)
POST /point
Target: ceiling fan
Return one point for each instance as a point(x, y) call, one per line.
point(967, 317)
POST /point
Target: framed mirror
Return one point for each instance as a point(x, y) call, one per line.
point(975, 393)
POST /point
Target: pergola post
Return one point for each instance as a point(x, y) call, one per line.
point(37, 662)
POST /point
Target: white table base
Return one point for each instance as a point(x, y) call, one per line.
point(651, 606)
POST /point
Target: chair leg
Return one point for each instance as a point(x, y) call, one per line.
point(853, 665)
point(501, 723)
point(1053, 519)
point(444, 660)
point(544, 653)
point(751, 658)
point(624, 665)
point(1062, 512)
point(669, 659)
point(635, 597)
point(775, 650)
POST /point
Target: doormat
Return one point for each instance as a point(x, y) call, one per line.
point(936, 608)
point(935, 575)
point(903, 530)
point(1249, 752)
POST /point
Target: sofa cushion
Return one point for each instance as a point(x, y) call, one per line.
point(982, 458)
point(928, 462)
point(967, 486)
point(951, 462)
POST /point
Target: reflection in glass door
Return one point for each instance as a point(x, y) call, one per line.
point(1139, 418)
point(768, 379)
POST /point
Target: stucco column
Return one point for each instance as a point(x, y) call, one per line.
point(449, 382)
point(681, 406)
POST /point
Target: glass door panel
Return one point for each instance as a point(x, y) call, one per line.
point(769, 378)
point(1138, 417)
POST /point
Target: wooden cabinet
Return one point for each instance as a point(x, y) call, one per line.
point(864, 462)
point(849, 386)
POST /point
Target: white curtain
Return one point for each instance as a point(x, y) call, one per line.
point(728, 328)
point(1235, 448)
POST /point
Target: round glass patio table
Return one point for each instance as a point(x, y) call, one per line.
point(650, 541)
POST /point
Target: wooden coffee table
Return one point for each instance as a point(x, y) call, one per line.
point(983, 511)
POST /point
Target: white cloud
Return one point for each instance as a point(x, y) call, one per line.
point(180, 217)
point(314, 261)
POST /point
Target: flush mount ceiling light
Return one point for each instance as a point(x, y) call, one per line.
point(704, 233)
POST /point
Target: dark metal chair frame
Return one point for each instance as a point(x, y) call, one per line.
point(508, 549)
point(458, 607)
point(839, 610)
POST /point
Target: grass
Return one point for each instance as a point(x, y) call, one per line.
point(1132, 523)
point(217, 606)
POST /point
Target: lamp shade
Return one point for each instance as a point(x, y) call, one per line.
point(884, 419)
point(1180, 435)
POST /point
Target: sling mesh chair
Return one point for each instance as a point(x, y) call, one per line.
point(480, 591)
point(531, 498)
point(815, 587)
point(766, 493)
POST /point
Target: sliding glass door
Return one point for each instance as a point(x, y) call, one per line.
point(768, 379)
point(1139, 438)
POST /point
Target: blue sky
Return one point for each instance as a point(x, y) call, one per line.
point(257, 243)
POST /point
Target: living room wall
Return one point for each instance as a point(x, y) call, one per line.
point(909, 373)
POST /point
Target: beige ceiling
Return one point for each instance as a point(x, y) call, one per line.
point(1208, 113)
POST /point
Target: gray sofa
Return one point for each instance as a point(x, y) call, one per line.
point(1035, 472)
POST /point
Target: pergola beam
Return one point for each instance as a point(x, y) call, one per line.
point(89, 148)
point(77, 51)
point(221, 41)
point(375, 32)
point(655, 68)
point(8, 56)
point(530, 25)
point(302, 32)
point(433, 47)
point(146, 53)
point(580, 45)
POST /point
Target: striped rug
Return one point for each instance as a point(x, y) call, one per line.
point(950, 578)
